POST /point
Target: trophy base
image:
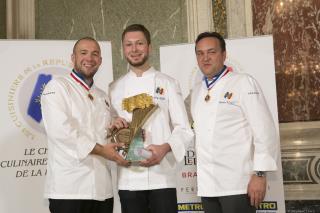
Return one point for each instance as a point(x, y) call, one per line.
point(134, 149)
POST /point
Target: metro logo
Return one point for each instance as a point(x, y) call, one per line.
point(190, 207)
point(268, 205)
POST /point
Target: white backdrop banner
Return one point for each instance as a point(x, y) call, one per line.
point(250, 55)
point(26, 67)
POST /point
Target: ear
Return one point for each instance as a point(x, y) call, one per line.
point(100, 60)
point(224, 54)
point(150, 48)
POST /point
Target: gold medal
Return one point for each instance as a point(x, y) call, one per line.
point(207, 98)
point(210, 82)
point(90, 97)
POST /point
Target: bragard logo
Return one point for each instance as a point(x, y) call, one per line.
point(228, 95)
point(160, 90)
point(25, 92)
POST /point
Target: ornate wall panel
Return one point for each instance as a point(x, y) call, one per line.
point(295, 25)
point(105, 20)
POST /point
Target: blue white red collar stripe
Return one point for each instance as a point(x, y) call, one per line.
point(217, 77)
point(80, 81)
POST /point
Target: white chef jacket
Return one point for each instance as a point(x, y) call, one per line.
point(168, 124)
point(235, 135)
point(74, 124)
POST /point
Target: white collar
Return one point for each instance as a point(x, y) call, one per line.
point(146, 73)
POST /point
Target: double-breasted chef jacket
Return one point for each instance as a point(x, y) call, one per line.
point(235, 134)
point(74, 123)
point(168, 124)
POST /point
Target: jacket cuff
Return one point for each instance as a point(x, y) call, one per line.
point(264, 162)
point(84, 149)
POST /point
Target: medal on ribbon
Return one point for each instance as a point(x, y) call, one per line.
point(77, 78)
point(214, 80)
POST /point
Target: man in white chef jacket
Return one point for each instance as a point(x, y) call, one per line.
point(236, 140)
point(76, 114)
point(151, 185)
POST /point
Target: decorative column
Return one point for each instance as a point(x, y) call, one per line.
point(20, 19)
point(199, 13)
point(239, 18)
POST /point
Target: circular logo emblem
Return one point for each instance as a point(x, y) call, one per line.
point(25, 94)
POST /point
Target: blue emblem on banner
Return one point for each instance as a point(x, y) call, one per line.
point(34, 108)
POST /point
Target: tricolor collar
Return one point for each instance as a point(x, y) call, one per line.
point(216, 77)
point(80, 79)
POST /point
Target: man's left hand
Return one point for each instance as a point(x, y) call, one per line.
point(257, 190)
point(158, 153)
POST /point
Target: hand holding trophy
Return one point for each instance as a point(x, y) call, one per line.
point(141, 106)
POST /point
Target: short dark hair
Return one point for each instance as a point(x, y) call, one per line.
point(84, 38)
point(140, 28)
point(212, 35)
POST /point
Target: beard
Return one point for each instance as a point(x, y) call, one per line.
point(85, 74)
point(138, 63)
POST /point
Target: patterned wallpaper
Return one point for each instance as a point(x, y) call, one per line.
point(105, 20)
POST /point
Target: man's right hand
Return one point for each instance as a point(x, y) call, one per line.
point(118, 123)
point(110, 152)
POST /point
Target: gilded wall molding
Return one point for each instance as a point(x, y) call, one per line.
point(219, 17)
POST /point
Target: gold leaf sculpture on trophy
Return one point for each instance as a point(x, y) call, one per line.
point(141, 106)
